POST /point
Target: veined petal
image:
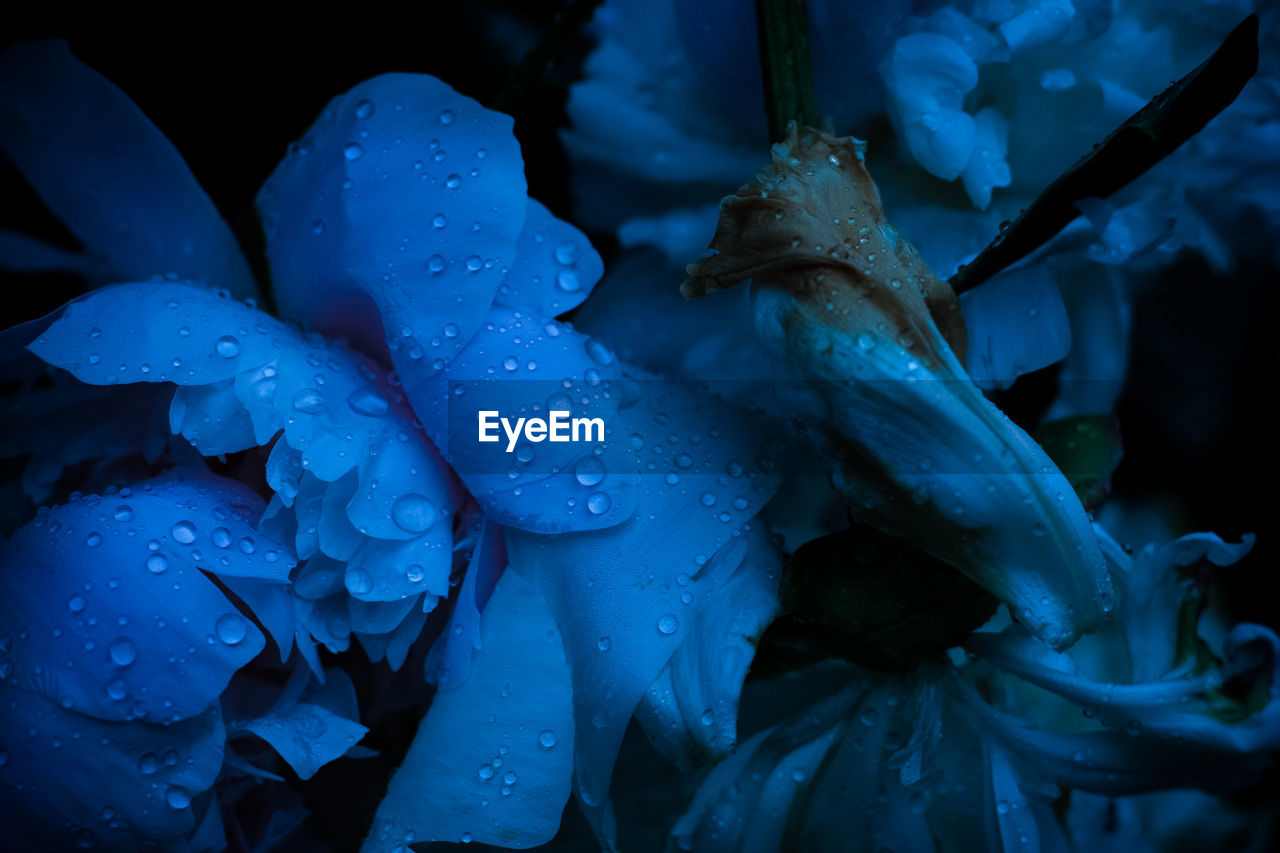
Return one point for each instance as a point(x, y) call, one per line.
point(105, 170)
point(396, 218)
point(491, 761)
point(920, 452)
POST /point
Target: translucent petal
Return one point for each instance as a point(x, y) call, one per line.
point(449, 663)
point(1016, 324)
point(109, 174)
point(307, 736)
point(491, 761)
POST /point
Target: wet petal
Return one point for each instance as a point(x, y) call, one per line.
point(556, 266)
point(396, 217)
point(370, 486)
point(522, 365)
point(72, 781)
point(690, 711)
point(618, 594)
point(852, 310)
point(492, 760)
point(69, 130)
point(110, 612)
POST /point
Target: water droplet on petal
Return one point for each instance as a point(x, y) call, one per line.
point(358, 581)
point(122, 652)
point(599, 351)
point(93, 540)
point(309, 401)
point(364, 109)
point(231, 629)
point(598, 503)
point(221, 537)
point(76, 603)
point(568, 281)
point(604, 644)
point(177, 797)
point(589, 471)
point(668, 624)
point(157, 563)
point(148, 763)
point(353, 151)
point(414, 513)
point(546, 739)
point(184, 532)
point(227, 346)
point(566, 253)
point(124, 512)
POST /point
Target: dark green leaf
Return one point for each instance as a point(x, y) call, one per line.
point(1087, 449)
point(876, 601)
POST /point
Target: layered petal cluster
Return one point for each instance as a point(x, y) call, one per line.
point(360, 490)
point(918, 451)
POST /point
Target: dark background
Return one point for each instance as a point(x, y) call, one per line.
point(232, 89)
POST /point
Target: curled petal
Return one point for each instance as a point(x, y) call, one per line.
point(920, 453)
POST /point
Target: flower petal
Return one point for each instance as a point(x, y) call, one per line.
point(1016, 324)
point(690, 711)
point(555, 269)
point(396, 217)
point(523, 365)
point(492, 760)
point(71, 781)
point(109, 174)
point(618, 594)
point(110, 611)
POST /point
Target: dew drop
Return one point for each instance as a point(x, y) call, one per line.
point(546, 739)
point(122, 652)
point(598, 503)
point(184, 532)
point(566, 253)
point(93, 540)
point(309, 401)
point(177, 797)
point(604, 644)
point(413, 513)
point(589, 471)
point(668, 624)
point(353, 151)
point(568, 281)
point(358, 581)
point(231, 629)
point(76, 603)
point(227, 346)
point(364, 109)
point(221, 537)
point(157, 563)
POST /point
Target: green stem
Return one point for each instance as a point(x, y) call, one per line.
point(786, 66)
